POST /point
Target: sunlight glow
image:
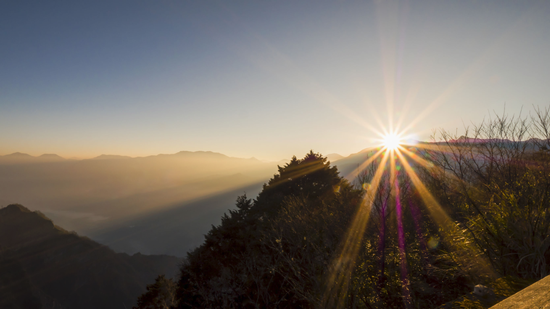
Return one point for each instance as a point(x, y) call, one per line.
point(394, 161)
point(391, 141)
point(342, 267)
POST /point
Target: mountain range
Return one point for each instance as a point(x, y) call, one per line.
point(161, 204)
point(134, 204)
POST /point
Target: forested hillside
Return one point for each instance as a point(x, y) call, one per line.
point(421, 226)
point(44, 266)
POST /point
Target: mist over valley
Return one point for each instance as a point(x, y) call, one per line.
point(160, 204)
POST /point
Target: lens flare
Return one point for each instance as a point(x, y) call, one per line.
point(397, 160)
point(391, 141)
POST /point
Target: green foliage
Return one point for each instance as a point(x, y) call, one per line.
point(497, 188)
point(513, 227)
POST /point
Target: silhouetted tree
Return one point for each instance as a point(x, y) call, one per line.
point(252, 259)
point(277, 251)
point(159, 295)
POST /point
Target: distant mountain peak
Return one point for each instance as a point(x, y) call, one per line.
point(19, 155)
point(472, 140)
point(18, 210)
point(23, 158)
point(19, 226)
point(334, 157)
point(200, 152)
point(15, 208)
point(110, 157)
point(50, 155)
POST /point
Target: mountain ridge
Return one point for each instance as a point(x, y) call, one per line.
point(94, 197)
point(54, 265)
point(25, 157)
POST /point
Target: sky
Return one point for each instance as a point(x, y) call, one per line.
point(264, 79)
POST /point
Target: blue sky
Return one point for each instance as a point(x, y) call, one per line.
point(256, 78)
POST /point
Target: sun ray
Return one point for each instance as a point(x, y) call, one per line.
point(405, 109)
point(342, 266)
point(402, 251)
point(447, 225)
point(416, 157)
point(363, 165)
point(374, 114)
point(433, 206)
point(392, 165)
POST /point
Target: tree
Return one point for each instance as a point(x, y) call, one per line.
point(311, 177)
point(159, 295)
point(496, 184)
point(252, 259)
point(281, 249)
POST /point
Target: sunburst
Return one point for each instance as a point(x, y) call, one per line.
point(393, 157)
point(391, 141)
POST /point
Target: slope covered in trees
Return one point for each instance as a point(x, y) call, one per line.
point(278, 250)
point(420, 227)
point(44, 266)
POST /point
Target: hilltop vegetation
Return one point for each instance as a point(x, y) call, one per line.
point(418, 228)
point(456, 213)
point(280, 250)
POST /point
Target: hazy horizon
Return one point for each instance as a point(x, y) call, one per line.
point(38, 154)
point(116, 200)
point(268, 80)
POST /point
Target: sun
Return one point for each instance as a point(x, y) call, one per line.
point(391, 141)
